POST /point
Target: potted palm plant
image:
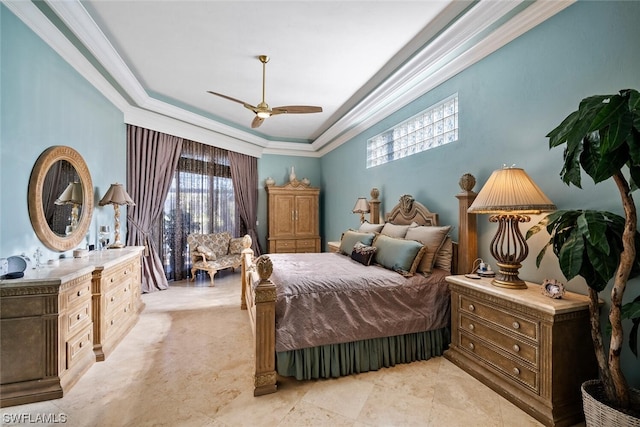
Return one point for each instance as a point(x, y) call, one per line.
point(602, 139)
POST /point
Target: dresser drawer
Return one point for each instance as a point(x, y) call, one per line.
point(519, 348)
point(117, 296)
point(505, 319)
point(120, 318)
point(306, 244)
point(78, 294)
point(78, 317)
point(78, 345)
point(284, 246)
point(515, 371)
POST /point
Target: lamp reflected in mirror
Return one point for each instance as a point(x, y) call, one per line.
point(116, 195)
point(72, 195)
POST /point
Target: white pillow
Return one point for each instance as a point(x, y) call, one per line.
point(367, 227)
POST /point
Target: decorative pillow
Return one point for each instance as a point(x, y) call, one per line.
point(235, 245)
point(393, 230)
point(444, 258)
point(432, 237)
point(207, 252)
point(367, 227)
point(398, 255)
point(350, 238)
point(363, 253)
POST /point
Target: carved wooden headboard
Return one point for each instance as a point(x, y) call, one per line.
point(408, 210)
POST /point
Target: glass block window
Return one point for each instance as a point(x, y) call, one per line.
point(436, 126)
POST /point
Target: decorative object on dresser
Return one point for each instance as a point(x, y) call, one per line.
point(361, 207)
point(509, 195)
point(552, 288)
point(293, 218)
point(601, 139)
point(276, 290)
point(523, 345)
point(57, 321)
point(116, 195)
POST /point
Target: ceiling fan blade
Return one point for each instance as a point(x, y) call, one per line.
point(245, 104)
point(257, 121)
point(296, 109)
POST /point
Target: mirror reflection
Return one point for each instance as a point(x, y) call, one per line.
point(62, 198)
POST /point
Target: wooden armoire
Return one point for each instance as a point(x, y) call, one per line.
point(292, 213)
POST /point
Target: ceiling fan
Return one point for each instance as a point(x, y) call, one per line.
point(262, 110)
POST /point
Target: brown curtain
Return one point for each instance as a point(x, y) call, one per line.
point(151, 161)
point(244, 172)
point(201, 200)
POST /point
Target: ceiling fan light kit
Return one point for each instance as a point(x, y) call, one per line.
point(262, 110)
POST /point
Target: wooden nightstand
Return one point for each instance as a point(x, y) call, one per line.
point(533, 350)
point(334, 246)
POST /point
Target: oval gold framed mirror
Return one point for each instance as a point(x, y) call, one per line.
point(60, 198)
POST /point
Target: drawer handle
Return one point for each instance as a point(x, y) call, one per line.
point(472, 307)
point(78, 317)
point(471, 346)
point(113, 299)
point(80, 345)
point(79, 293)
point(471, 327)
point(111, 322)
point(516, 371)
point(516, 325)
point(516, 348)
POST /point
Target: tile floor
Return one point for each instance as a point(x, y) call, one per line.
point(187, 362)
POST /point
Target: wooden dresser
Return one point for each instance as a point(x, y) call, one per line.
point(47, 323)
point(293, 212)
point(116, 298)
point(533, 350)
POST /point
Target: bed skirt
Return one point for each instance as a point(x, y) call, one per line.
point(336, 360)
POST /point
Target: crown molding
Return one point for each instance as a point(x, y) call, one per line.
point(31, 16)
point(483, 29)
point(430, 67)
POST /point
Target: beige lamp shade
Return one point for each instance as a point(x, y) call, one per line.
point(511, 190)
point(362, 206)
point(116, 195)
point(72, 195)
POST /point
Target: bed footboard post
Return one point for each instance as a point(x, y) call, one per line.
point(265, 333)
point(246, 258)
point(468, 231)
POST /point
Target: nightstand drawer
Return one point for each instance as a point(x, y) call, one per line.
point(518, 372)
point(485, 332)
point(502, 318)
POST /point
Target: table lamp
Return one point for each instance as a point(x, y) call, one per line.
point(361, 207)
point(510, 195)
point(116, 195)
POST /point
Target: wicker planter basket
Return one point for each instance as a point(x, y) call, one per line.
point(597, 413)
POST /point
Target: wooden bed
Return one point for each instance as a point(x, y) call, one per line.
point(260, 299)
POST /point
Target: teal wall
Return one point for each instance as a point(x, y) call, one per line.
point(46, 102)
point(508, 102)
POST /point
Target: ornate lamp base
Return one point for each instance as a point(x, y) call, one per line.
point(507, 276)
